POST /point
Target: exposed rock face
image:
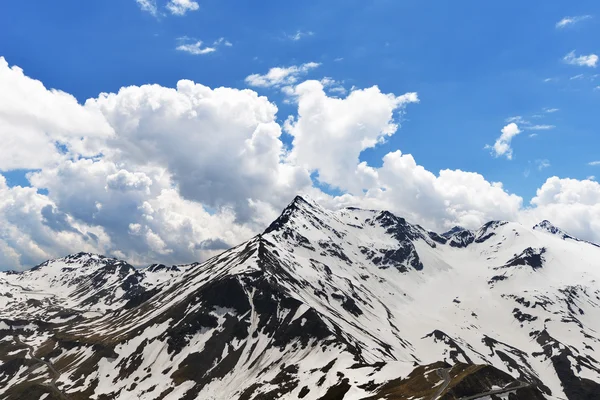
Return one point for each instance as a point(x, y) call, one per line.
point(353, 304)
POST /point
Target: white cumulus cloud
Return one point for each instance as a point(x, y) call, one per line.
point(37, 123)
point(125, 180)
point(571, 204)
point(33, 229)
point(502, 145)
point(330, 133)
point(590, 60)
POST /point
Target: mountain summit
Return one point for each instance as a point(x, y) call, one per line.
point(351, 304)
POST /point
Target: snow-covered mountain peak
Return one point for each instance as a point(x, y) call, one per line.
point(488, 230)
point(457, 237)
point(350, 235)
point(454, 230)
point(80, 282)
point(68, 270)
point(301, 209)
point(160, 267)
point(80, 259)
point(547, 226)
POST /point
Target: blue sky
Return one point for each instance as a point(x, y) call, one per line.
point(474, 64)
point(477, 67)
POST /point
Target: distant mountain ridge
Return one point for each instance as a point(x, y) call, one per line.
point(348, 304)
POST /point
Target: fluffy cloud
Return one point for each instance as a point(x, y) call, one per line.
point(330, 133)
point(38, 125)
point(144, 216)
point(187, 166)
point(181, 7)
point(453, 197)
point(125, 180)
point(590, 60)
point(280, 76)
point(567, 191)
point(33, 229)
point(502, 145)
point(572, 204)
point(221, 147)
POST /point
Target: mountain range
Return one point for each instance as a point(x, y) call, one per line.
point(347, 304)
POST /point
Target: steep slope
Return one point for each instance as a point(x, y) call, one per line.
point(350, 304)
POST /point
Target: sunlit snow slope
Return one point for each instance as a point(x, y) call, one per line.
point(352, 304)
